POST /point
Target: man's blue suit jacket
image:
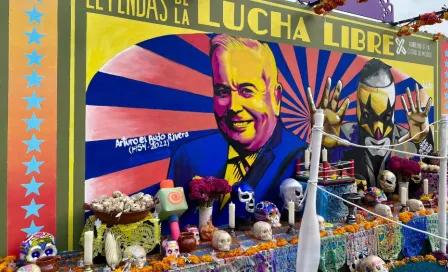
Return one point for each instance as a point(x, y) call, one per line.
point(208, 155)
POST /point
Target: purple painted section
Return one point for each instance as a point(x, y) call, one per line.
point(375, 9)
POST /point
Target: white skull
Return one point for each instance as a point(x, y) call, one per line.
point(387, 181)
point(171, 247)
point(415, 205)
point(291, 190)
point(136, 254)
point(373, 264)
point(383, 210)
point(321, 221)
point(262, 230)
point(248, 198)
point(221, 240)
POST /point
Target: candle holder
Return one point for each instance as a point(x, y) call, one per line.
point(291, 229)
point(404, 208)
point(232, 232)
point(352, 198)
point(87, 268)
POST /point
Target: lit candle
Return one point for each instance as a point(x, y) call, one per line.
point(88, 247)
point(307, 159)
point(231, 215)
point(324, 155)
point(425, 187)
point(403, 195)
point(291, 213)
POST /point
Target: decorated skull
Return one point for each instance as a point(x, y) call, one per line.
point(387, 181)
point(374, 196)
point(37, 245)
point(268, 212)
point(416, 178)
point(136, 254)
point(171, 247)
point(195, 231)
point(262, 230)
point(373, 264)
point(415, 205)
point(322, 222)
point(383, 210)
point(291, 190)
point(221, 240)
point(243, 195)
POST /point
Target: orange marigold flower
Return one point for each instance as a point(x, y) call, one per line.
point(206, 258)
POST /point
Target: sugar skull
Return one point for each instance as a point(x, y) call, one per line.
point(244, 198)
point(383, 210)
point(373, 264)
point(415, 205)
point(136, 254)
point(268, 212)
point(387, 181)
point(374, 196)
point(322, 222)
point(291, 190)
point(221, 240)
point(39, 244)
point(195, 231)
point(262, 230)
point(171, 247)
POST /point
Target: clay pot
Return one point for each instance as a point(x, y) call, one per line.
point(49, 263)
point(186, 241)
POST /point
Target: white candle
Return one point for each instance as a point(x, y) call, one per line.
point(403, 195)
point(231, 215)
point(324, 155)
point(425, 186)
point(307, 159)
point(88, 247)
point(291, 212)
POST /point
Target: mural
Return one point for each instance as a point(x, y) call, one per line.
point(240, 109)
point(444, 77)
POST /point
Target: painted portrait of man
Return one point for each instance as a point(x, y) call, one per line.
point(252, 144)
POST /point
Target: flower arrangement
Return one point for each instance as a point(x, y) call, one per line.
point(437, 36)
point(424, 212)
point(417, 259)
point(427, 19)
point(4, 263)
point(403, 168)
point(207, 189)
point(326, 6)
point(405, 217)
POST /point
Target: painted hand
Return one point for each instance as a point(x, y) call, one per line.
point(417, 118)
point(333, 117)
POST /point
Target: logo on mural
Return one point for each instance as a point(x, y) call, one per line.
point(247, 106)
point(400, 46)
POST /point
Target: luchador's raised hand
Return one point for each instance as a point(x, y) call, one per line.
point(417, 118)
point(333, 116)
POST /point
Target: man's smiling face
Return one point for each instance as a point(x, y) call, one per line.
point(246, 102)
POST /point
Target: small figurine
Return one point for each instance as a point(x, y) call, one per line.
point(268, 212)
point(37, 245)
point(322, 223)
point(171, 247)
point(373, 264)
point(206, 232)
point(262, 231)
point(221, 240)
